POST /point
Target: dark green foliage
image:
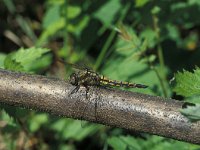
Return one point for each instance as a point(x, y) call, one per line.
point(140, 41)
point(153, 143)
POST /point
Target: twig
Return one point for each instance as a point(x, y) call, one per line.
point(123, 109)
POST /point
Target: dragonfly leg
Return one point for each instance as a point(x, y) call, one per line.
point(75, 89)
point(95, 108)
point(86, 92)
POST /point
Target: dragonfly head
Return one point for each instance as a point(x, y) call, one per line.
point(73, 79)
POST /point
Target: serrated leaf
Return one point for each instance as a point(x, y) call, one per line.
point(12, 64)
point(8, 116)
point(188, 83)
point(23, 59)
point(129, 44)
point(192, 112)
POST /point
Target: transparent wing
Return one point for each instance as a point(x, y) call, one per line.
point(75, 66)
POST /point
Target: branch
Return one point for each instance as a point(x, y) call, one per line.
point(133, 111)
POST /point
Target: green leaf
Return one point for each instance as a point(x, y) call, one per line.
point(150, 35)
point(188, 83)
point(173, 32)
point(193, 99)
point(79, 26)
point(135, 72)
point(155, 10)
point(194, 2)
point(131, 142)
point(192, 112)
point(107, 12)
point(51, 16)
point(140, 3)
point(116, 143)
point(50, 31)
point(10, 6)
point(73, 11)
point(128, 42)
point(36, 121)
point(152, 143)
point(76, 131)
point(12, 64)
point(72, 129)
point(130, 45)
point(8, 118)
point(23, 59)
point(2, 58)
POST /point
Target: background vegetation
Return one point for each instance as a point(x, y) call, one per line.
point(144, 41)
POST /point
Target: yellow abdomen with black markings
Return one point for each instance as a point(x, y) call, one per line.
point(108, 82)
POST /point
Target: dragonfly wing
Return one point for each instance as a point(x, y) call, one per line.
point(75, 66)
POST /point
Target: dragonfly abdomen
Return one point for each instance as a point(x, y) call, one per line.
point(108, 82)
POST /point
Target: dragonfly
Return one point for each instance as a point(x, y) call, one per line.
point(86, 77)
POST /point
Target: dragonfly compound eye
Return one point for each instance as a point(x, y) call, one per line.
point(73, 79)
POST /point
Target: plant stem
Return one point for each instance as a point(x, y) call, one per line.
point(104, 50)
point(110, 38)
point(65, 36)
point(160, 55)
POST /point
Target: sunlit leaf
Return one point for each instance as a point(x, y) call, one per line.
point(23, 59)
point(51, 16)
point(155, 10)
point(140, 3)
point(188, 83)
point(108, 11)
point(73, 11)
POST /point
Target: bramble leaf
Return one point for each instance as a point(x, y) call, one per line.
point(188, 83)
point(23, 59)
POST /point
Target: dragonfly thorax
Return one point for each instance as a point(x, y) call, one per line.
point(74, 79)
